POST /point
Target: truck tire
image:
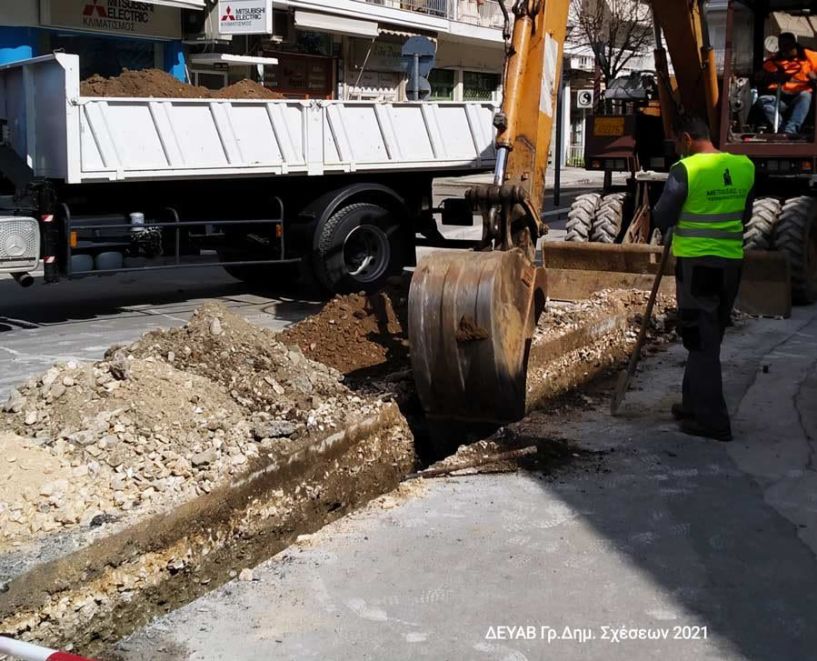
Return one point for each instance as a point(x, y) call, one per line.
point(358, 248)
point(759, 232)
point(795, 234)
point(580, 217)
point(609, 218)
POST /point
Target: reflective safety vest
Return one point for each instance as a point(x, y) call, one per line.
point(711, 222)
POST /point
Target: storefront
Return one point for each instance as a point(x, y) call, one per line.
point(306, 60)
point(108, 35)
point(467, 73)
point(374, 67)
point(307, 64)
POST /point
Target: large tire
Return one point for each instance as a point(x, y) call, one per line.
point(357, 248)
point(795, 234)
point(580, 217)
point(609, 218)
point(759, 232)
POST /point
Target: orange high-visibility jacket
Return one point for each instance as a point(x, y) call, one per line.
point(798, 68)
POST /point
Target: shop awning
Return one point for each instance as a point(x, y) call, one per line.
point(307, 20)
point(394, 32)
point(180, 4)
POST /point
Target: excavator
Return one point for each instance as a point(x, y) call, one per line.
point(472, 314)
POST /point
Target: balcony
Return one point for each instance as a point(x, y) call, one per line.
point(437, 8)
point(486, 14)
point(482, 13)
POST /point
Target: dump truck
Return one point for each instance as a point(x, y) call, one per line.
point(633, 135)
point(97, 186)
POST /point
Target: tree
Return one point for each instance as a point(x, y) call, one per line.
point(615, 30)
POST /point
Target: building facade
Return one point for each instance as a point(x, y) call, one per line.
point(352, 49)
point(347, 49)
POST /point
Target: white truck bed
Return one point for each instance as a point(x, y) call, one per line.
point(77, 139)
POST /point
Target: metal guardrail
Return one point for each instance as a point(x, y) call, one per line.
point(432, 7)
point(484, 13)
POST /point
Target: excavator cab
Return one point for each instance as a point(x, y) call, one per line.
point(746, 35)
point(785, 212)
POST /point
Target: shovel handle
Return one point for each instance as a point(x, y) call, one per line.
point(635, 356)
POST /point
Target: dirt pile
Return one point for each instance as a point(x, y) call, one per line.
point(358, 334)
point(246, 89)
point(155, 83)
point(163, 420)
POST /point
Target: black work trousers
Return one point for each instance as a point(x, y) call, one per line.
point(706, 290)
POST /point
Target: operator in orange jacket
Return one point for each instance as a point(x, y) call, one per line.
point(794, 70)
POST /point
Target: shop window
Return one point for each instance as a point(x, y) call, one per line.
point(478, 86)
point(212, 80)
point(442, 84)
point(106, 56)
point(301, 76)
point(314, 43)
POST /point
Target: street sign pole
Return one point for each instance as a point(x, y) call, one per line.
point(416, 76)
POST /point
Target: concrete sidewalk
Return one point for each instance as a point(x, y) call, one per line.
point(706, 550)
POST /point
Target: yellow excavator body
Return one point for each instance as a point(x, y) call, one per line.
point(472, 315)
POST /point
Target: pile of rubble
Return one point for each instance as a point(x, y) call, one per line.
point(163, 420)
point(561, 318)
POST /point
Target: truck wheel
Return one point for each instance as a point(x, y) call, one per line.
point(580, 217)
point(609, 218)
point(358, 248)
point(795, 234)
point(758, 233)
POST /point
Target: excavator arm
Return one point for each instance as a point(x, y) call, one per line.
point(472, 315)
point(683, 26)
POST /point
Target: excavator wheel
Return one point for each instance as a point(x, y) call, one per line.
point(581, 216)
point(759, 231)
point(795, 235)
point(471, 320)
point(609, 218)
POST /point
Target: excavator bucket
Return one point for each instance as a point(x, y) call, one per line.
point(471, 320)
point(577, 270)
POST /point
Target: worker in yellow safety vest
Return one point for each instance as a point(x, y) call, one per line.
point(707, 201)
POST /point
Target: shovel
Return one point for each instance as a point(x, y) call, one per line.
point(627, 374)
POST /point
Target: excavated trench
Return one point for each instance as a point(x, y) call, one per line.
point(320, 449)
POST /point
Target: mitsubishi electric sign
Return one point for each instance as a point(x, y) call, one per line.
point(123, 17)
point(245, 16)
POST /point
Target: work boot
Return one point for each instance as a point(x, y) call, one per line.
point(694, 428)
point(681, 413)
